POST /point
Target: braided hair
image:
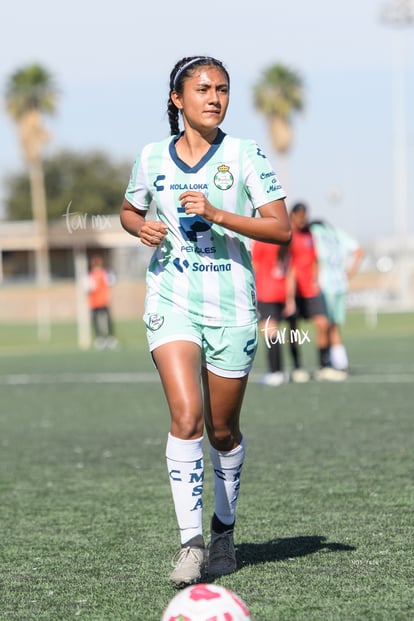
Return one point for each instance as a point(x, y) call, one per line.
point(180, 72)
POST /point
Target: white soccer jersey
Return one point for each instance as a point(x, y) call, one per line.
point(201, 268)
point(334, 248)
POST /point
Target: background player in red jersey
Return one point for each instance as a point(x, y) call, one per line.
point(270, 265)
point(308, 301)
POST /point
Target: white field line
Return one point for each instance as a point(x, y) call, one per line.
point(78, 378)
point(26, 379)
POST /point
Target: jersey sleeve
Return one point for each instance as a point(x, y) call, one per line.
point(138, 193)
point(262, 183)
point(349, 243)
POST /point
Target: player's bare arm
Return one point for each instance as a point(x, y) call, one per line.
point(150, 232)
point(273, 226)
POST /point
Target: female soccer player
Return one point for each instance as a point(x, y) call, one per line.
point(200, 309)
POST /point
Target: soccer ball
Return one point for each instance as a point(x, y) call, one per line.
point(206, 602)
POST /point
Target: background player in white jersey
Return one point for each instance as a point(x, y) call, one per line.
point(200, 309)
point(339, 258)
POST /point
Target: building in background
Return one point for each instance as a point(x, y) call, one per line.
point(385, 281)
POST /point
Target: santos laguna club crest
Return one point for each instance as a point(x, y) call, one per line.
point(223, 179)
point(154, 322)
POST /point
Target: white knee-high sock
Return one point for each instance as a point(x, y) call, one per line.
point(227, 468)
point(186, 472)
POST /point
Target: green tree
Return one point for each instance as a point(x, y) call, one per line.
point(277, 95)
point(89, 182)
point(30, 94)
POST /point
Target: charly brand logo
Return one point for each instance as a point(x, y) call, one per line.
point(157, 183)
point(250, 347)
point(223, 179)
point(77, 221)
point(273, 336)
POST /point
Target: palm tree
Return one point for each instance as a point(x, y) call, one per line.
point(31, 93)
point(277, 95)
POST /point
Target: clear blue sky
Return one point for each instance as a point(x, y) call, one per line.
point(112, 62)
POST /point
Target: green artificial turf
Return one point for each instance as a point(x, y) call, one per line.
point(325, 517)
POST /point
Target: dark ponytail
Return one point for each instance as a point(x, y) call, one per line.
point(180, 72)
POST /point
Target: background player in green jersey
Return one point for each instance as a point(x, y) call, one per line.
point(213, 193)
point(339, 258)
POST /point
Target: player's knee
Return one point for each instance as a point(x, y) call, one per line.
point(224, 439)
point(187, 427)
point(321, 322)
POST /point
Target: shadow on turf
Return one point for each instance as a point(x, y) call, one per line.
point(282, 549)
